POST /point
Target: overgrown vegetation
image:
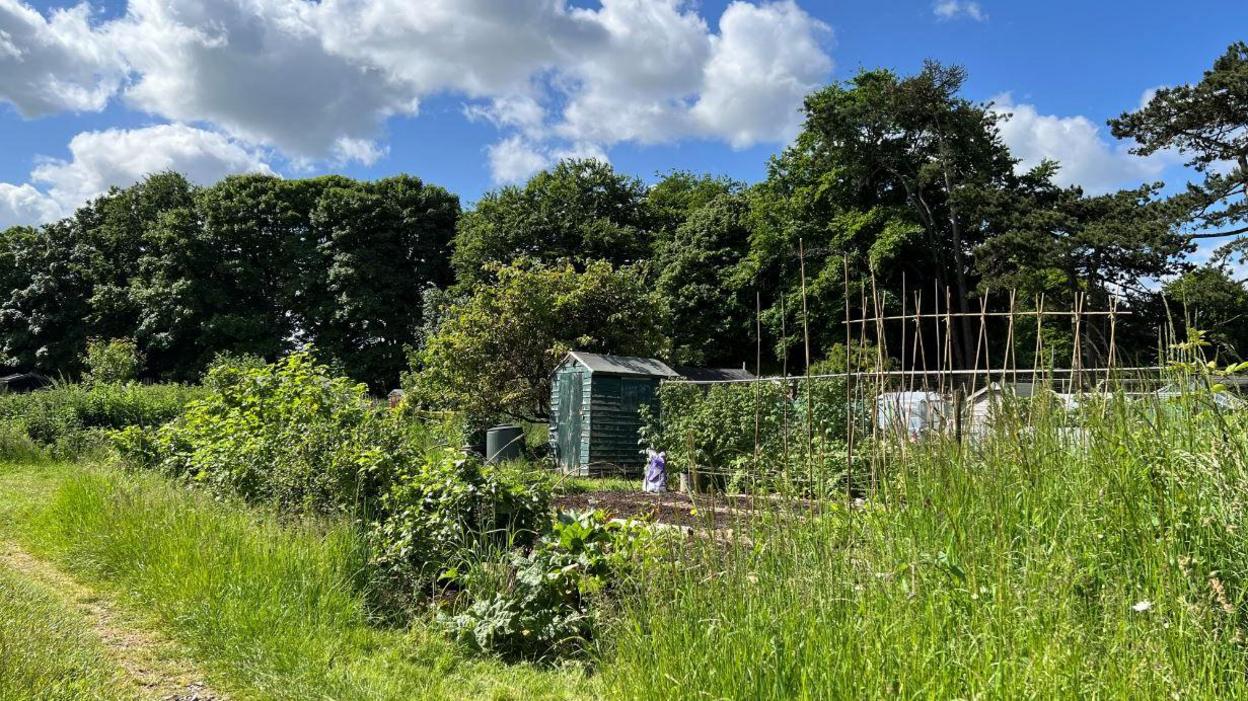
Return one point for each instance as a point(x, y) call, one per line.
point(1043, 561)
point(274, 605)
point(293, 436)
point(69, 420)
point(767, 436)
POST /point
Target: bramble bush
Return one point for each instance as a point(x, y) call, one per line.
point(287, 433)
point(68, 420)
point(293, 435)
point(544, 603)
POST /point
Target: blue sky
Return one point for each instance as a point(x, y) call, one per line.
point(470, 94)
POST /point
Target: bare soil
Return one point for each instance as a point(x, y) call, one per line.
point(703, 511)
point(156, 667)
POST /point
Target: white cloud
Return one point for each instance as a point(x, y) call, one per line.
point(513, 159)
point(23, 204)
point(318, 80)
point(765, 61)
point(118, 157)
point(257, 70)
point(951, 9)
point(56, 63)
point(1087, 158)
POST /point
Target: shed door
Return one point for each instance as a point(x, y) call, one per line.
point(569, 421)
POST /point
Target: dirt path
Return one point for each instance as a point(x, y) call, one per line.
point(155, 666)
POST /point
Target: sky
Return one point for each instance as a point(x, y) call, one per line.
point(475, 94)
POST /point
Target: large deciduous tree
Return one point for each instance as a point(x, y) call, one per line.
point(382, 244)
point(707, 292)
point(580, 210)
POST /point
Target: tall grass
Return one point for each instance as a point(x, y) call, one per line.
point(273, 606)
point(1042, 561)
point(46, 651)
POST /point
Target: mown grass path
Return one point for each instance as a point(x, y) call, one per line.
point(146, 589)
point(151, 665)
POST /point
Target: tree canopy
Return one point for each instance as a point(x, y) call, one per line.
point(1207, 122)
point(895, 184)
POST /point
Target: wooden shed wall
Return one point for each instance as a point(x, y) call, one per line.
point(610, 420)
point(615, 420)
point(562, 373)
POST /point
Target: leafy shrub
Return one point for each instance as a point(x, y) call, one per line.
point(71, 419)
point(444, 505)
point(541, 604)
point(287, 433)
point(111, 361)
point(294, 435)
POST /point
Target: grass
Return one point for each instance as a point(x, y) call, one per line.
point(1038, 563)
point(45, 650)
point(1041, 561)
point(270, 606)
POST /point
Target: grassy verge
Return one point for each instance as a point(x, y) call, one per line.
point(1040, 563)
point(271, 607)
point(46, 651)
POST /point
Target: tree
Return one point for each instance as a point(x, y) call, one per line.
point(1057, 241)
point(382, 243)
point(68, 280)
point(580, 210)
point(675, 197)
point(709, 299)
point(1208, 123)
point(226, 275)
point(1210, 300)
point(887, 176)
point(493, 353)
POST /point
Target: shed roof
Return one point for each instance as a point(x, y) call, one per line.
point(623, 364)
point(714, 374)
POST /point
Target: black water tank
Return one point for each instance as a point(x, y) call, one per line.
point(504, 443)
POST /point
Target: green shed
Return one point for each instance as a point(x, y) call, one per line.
point(595, 410)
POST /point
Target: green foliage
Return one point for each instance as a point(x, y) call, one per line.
point(70, 419)
point(1206, 122)
point(273, 605)
point(1209, 299)
point(1047, 561)
point(289, 433)
point(544, 604)
point(293, 435)
point(579, 210)
point(112, 361)
point(250, 265)
point(712, 430)
point(443, 506)
point(494, 351)
point(698, 270)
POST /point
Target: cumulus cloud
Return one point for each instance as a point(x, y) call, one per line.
point(764, 62)
point(55, 64)
point(318, 80)
point(119, 157)
point(1087, 158)
point(513, 159)
point(24, 204)
point(952, 9)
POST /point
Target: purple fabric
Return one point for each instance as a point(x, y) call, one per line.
point(656, 473)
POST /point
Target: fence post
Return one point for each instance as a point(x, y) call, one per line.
point(958, 401)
